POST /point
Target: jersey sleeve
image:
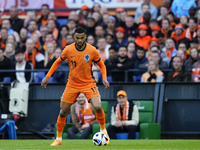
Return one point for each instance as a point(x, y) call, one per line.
point(97, 57)
point(63, 55)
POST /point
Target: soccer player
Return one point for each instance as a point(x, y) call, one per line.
point(80, 56)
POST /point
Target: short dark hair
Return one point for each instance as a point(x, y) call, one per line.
point(193, 18)
point(112, 36)
point(167, 20)
point(64, 26)
point(140, 48)
point(80, 30)
point(18, 51)
point(160, 34)
point(155, 46)
point(122, 46)
point(45, 5)
point(178, 57)
point(113, 48)
point(132, 35)
point(156, 52)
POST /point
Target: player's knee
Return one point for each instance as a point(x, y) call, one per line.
point(63, 113)
point(98, 108)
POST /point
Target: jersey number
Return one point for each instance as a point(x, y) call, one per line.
point(73, 63)
point(94, 90)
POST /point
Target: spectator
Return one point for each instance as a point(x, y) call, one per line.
point(120, 37)
point(90, 26)
point(36, 41)
point(33, 56)
point(190, 31)
point(83, 118)
point(155, 55)
point(44, 18)
point(178, 35)
point(16, 23)
point(131, 46)
point(110, 25)
point(58, 76)
point(70, 39)
point(192, 12)
point(10, 52)
point(103, 10)
point(110, 63)
point(183, 47)
point(6, 24)
point(170, 48)
point(62, 41)
point(131, 26)
point(49, 39)
point(153, 10)
point(184, 21)
point(33, 28)
point(198, 33)
point(52, 28)
point(11, 39)
point(110, 39)
point(52, 16)
point(147, 18)
point(132, 37)
point(181, 7)
point(172, 19)
point(4, 65)
point(99, 32)
point(153, 74)
point(23, 38)
point(194, 43)
point(96, 7)
point(96, 17)
point(118, 16)
point(71, 24)
point(122, 63)
point(153, 22)
point(73, 15)
point(194, 57)
point(196, 64)
point(105, 20)
point(49, 53)
point(124, 117)
point(83, 14)
point(155, 30)
point(31, 15)
point(103, 49)
point(44, 31)
point(163, 13)
point(91, 40)
point(166, 28)
point(143, 39)
point(160, 36)
point(21, 64)
point(179, 73)
point(3, 38)
point(123, 15)
point(198, 16)
point(145, 8)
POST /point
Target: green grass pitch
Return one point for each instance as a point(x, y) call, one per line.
point(88, 145)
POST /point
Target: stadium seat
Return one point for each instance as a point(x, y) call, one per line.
point(6, 79)
point(148, 129)
point(62, 21)
point(38, 76)
point(96, 127)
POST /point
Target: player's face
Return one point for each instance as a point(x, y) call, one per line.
point(80, 38)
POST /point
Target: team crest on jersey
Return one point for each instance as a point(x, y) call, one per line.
point(87, 57)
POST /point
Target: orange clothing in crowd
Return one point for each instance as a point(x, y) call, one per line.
point(55, 33)
point(143, 41)
point(44, 22)
point(173, 35)
point(188, 34)
point(168, 33)
point(64, 42)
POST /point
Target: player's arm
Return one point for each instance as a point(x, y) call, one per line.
point(103, 73)
point(51, 71)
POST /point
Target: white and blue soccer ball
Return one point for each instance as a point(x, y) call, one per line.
point(100, 139)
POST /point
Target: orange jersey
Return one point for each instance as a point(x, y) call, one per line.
point(80, 63)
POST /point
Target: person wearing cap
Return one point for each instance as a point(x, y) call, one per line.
point(118, 15)
point(110, 25)
point(143, 39)
point(155, 30)
point(120, 37)
point(124, 117)
point(178, 35)
point(71, 24)
point(131, 26)
point(153, 10)
point(190, 31)
point(83, 14)
point(90, 25)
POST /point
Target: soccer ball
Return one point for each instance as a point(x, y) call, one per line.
point(100, 139)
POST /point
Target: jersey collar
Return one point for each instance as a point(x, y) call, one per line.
point(82, 49)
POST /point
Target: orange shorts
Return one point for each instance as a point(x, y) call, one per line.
point(71, 93)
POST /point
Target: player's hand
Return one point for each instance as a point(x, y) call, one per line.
point(85, 126)
point(45, 82)
point(118, 123)
point(106, 84)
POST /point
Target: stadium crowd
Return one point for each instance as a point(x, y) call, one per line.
point(155, 39)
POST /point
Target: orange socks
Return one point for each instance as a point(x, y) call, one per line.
point(101, 118)
point(60, 126)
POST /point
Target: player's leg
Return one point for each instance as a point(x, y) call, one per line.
point(68, 98)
